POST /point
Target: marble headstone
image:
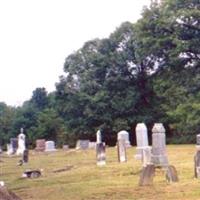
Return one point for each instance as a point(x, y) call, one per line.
point(21, 143)
point(50, 146)
point(121, 148)
point(124, 135)
point(82, 144)
point(101, 154)
point(141, 139)
point(159, 154)
point(98, 137)
point(40, 145)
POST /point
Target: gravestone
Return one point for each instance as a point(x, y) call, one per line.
point(65, 147)
point(124, 135)
point(159, 158)
point(50, 146)
point(100, 154)
point(14, 144)
point(10, 150)
point(40, 145)
point(121, 149)
point(92, 145)
point(25, 156)
point(197, 158)
point(82, 144)
point(98, 137)
point(142, 140)
point(21, 143)
point(159, 154)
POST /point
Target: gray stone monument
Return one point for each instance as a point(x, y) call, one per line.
point(50, 146)
point(159, 153)
point(14, 144)
point(101, 154)
point(21, 143)
point(82, 144)
point(124, 135)
point(121, 149)
point(159, 158)
point(25, 156)
point(40, 145)
point(142, 141)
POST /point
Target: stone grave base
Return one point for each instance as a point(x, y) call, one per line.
point(148, 173)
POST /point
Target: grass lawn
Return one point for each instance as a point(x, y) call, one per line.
point(86, 181)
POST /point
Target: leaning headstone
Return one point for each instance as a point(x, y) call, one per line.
point(141, 139)
point(40, 145)
point(82, 144)
point(197, 158)
point(21, 143)
point(124, 135)
point(100, 154)
point(121, 149)
point(159, 153)
point(6, 194)
point(50, 146)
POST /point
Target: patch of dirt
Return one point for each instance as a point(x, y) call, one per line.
point(6, 194)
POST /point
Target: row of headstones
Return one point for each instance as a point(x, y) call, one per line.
point(152, 158)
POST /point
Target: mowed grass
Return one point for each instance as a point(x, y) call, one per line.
point(86, 181)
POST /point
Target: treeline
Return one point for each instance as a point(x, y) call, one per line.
point(148, 71)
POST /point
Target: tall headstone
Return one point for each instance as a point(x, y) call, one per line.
point(14, 144)
point(121, 149)
point(50, 146)
point(159, 154)
point(40, 145)
point(98, 137)
point(25, 156)
point(21, 143)
point(142, 141)
point(101, 154)
point(124, 135)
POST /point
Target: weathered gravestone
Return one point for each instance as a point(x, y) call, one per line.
point(98, 137)
point(142, 150)
point(82, 144)
point(92, 145)
point(6, 194)
point(121, 149)
point(21, 143)
point(25, 156)
point(50, 146)
point(159, 158)
point(101, 154)
point(197, 158)
point(124, 135)
point(40, 145)
point(65, 147)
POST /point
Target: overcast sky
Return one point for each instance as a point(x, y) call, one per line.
point(37, 35)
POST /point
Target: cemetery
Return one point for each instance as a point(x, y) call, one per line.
point(122, 122)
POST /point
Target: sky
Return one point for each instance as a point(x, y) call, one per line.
point(37, 35)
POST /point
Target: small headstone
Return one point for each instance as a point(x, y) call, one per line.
point(82, 144)
point(50, 146)
point(124, 135)
point(10, 150)
point(121, 148)
point(147, 175)
point(40, 145)
point(141, 139)
point(6, 194)
point(197, 158)
point(21, 143)
point(198, 139)
point(92, 145)
point(100, 154)
point(146, 156)
point(159, 154)
point(65, 147)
